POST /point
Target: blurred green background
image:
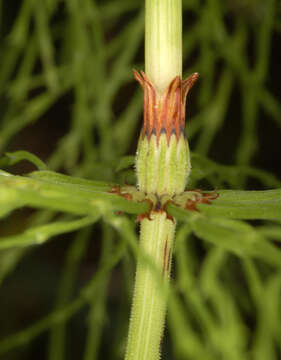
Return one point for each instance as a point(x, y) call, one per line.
point(67, 94)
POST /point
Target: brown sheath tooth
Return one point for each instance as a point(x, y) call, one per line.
point(164, 112)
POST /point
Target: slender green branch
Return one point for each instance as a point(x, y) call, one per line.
point(62, 193)
point(40, 234)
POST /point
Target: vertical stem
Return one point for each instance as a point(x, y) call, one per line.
point(149, 302)
point(163, 41)
point(161, 170)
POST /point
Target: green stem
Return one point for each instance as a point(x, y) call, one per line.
point(163, 41)
point(149, 303)
point(162, 168)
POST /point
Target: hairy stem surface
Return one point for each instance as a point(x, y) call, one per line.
point(149, 303)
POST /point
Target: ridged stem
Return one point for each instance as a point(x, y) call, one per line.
point(162, 168)
point(149, 302)
point(163, 41)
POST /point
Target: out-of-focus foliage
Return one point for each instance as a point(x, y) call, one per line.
point(67, 95)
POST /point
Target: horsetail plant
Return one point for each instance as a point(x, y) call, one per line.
point(224, 301)
point(163, 167)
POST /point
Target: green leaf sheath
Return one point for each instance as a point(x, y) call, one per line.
point(149, 302)
point(162, 166)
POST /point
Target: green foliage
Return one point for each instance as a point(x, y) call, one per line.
point(225, 294)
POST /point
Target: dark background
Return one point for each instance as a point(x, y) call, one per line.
point(29, 292)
